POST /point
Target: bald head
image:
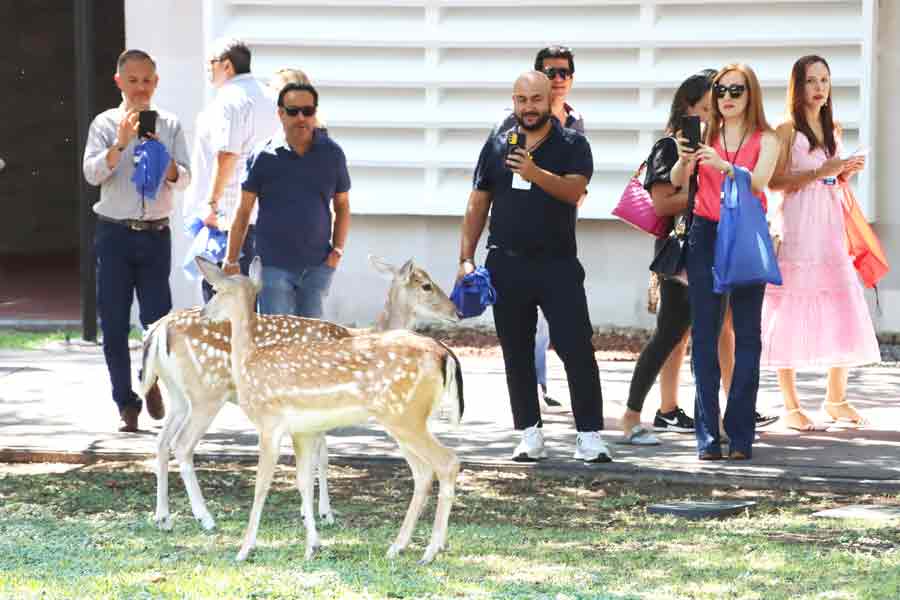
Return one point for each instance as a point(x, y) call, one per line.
point(532, 82)
point(531, 99)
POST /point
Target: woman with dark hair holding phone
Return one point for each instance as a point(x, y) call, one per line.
point(819, 317)
point(664, 353)
point(738, 135)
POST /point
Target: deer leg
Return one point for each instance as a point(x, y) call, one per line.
point(305, 448)
point(321, 452)
point(197, 424)
point(320, 463)
point(265, 470)
point(434, 458)
point(176, 414)
point(422, 478)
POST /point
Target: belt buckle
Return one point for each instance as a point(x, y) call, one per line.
point(135, 226)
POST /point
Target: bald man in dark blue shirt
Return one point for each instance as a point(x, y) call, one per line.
point(532, 196)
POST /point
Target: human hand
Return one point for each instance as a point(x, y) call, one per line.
point(172, 172)
point(706, 155)
point(853, 165)
point(212, 219)
point(231, 268)
point(333, 259)
point(831, 168)
point(686, 153)
point(127, 129)
point(465, 268)
point(520, 162)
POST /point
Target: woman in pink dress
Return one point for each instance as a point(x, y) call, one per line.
point(819, 317)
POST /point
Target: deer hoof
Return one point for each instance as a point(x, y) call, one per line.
point(393, 551)
point(164, 523)
point(327, 518)
point(207, 522)
point(430, 552)
point(242, 555)
point(311, 551)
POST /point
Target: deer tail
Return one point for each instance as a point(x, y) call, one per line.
point(453, 386)
point(154, 348)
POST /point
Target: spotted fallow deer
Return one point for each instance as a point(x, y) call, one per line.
point(399, 378)
point(189, 354)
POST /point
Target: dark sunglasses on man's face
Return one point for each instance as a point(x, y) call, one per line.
point(552, 72)
point(735, 90)
point(293, 111)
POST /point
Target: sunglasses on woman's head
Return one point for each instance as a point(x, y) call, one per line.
point(735, 90)
point(293, 111)
point(552, 72)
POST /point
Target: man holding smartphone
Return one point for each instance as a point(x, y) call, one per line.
point(532, 195)
point(242, 115)
point(133, 242)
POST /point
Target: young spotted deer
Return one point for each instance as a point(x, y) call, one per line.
point(398, 378)
point(189, 354)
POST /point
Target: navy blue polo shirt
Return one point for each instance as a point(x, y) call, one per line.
point(293, 230)
point(532, 221)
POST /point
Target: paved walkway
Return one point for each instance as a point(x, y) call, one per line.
point(55, 406)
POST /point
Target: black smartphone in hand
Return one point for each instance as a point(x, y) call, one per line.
point(146, 123)
point(690, 129)
point(514, 140)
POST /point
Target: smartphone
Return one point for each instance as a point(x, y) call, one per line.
point(514, 140)
point(861, 151)
point(690, 129)
point(146, 123)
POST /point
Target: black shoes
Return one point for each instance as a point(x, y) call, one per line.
point(676, 421)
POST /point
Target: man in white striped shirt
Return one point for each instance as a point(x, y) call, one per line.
point(242, 115)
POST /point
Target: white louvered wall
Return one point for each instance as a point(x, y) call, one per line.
point(410, 88)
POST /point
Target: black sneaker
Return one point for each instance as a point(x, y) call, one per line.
point(676, 420)
point(763, 420)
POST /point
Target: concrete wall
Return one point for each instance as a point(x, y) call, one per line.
point(615, 257)
point(887, 150)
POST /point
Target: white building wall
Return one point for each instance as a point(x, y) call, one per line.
point(410, 88)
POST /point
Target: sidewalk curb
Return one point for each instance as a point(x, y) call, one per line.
point(618, 472)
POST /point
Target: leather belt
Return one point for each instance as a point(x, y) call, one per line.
point(530, 252)
point(137, 224)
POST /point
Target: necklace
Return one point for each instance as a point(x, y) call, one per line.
point(539, 142)
point(725, 146)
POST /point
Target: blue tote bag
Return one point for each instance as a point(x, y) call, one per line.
point(473, 293)
point(744, 252)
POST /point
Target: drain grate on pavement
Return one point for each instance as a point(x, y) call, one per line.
point(701, 510)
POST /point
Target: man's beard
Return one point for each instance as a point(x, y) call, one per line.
point(542, 120)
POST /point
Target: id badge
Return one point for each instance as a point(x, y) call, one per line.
point(520, 184)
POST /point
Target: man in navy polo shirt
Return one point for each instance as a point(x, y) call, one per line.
point(532, 197)
point(297, 177)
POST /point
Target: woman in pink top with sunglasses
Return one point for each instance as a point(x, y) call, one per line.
point(738, 136)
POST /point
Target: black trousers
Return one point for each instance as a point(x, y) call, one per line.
point(672, 322)
point(557, 286)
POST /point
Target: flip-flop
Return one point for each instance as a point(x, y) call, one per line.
point(807, 429)
point(640, 436)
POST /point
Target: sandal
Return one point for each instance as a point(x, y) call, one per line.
point(858, 420)
point(806, 428)
point(640, 436)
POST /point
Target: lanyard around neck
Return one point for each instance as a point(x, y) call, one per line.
point(725, 146)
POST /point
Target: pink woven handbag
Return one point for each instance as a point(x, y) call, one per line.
point(635, 207)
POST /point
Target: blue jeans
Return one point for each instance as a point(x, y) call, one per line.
point(128, 262)
point(707, 311)
point(295, 292)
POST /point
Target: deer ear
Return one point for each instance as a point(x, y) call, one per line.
point(384, 268)
point(211, 272)
point(256, 273)
point(406, 270)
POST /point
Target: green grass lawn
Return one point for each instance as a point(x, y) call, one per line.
point(31, 340)
point(88, 533)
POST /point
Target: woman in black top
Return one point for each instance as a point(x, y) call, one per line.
point(664, 353)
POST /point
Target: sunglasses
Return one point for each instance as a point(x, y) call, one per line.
point(552, 72)
point(293, 111)
point(735, 90)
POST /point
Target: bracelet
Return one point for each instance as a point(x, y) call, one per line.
point(339, 251)
point(230, 263)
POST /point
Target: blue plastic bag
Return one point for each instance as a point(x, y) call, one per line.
point(473, 293)
point(151, 161)
point(208, 242)
point(744, 252)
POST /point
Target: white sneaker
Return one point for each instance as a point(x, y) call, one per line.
point(531, 448)
point(590, 447)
